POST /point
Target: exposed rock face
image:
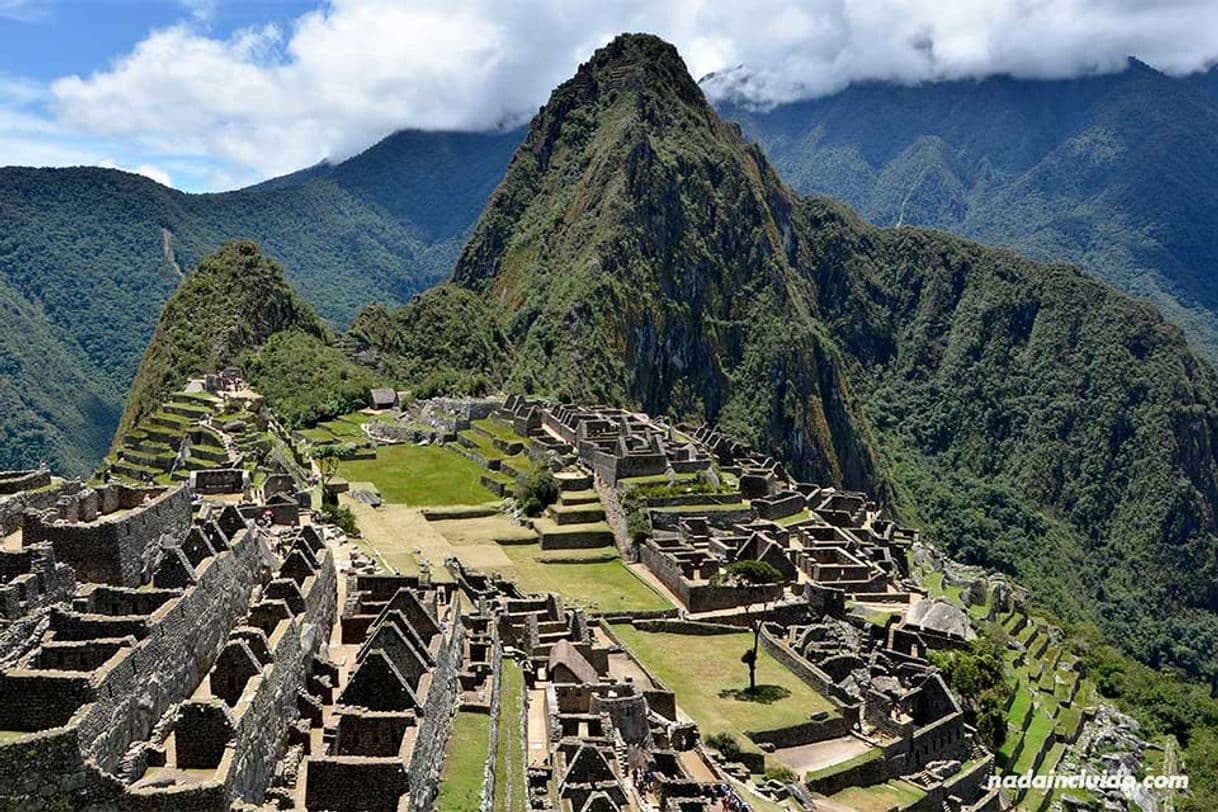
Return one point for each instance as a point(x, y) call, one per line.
point(938, 615)
point(645, 253)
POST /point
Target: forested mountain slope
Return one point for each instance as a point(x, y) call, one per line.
point(1117, 173)
point(640, 250)
point(88, 256)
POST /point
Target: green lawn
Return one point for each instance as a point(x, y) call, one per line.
point(700, 668)
point(598, 585)
point(880, 798)
point(420, 475)
point(497, 428)
point(510, 793)
point(461, 783)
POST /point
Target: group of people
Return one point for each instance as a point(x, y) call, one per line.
point(729, 801)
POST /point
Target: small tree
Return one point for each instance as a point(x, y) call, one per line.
point(754, 573)
point(537, 491)
point(327, 456)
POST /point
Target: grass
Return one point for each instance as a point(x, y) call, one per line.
point(701, 669)
point(1040, 728)
point(510, 792)
point(880, 798)
point(595, 578)
point(850, 763)
point(461, 782)
point(420, 475)
point(497, 428)
point(794, 518)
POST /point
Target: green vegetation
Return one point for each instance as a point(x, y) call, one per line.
point(850, 763)
point(925, 369)
point(595, 583)
point(537, 491)
point(879, 798)
point(305, 380)
point(461, 782)
point(978, 677)
point(1165, 704)
point(444, 342)
point(707, 675)
point(1103, 186)
point(231, 303)
point(89, 256)
point(510, 758)
point(419, 475)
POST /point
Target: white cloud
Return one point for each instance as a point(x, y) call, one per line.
point(24, 10)
point(267, 100)
point(147, 170)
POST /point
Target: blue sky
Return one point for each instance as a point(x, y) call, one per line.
point(208, 95)
point(45, 40)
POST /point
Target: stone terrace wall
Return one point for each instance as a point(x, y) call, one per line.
point(185, 636)
point(13, 508)
point(427, 758)
point(114, 550)
point(489, 777)
point(808, 673)
point(14, 481)
point(46, 770)
point(263, 727)
point(703, 597)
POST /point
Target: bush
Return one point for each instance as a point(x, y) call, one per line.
point(340, 516)
point(537, 491)
point(638, 527)
point(726, 744)
point(781, 772)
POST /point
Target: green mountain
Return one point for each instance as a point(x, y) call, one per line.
point(237, 308)
point(1114, 173)
point(639, 250)
point(88, 256)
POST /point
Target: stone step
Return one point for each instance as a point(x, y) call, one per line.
point(572, 536)
point(577, 514)
point(579, 498)
point(573, 481)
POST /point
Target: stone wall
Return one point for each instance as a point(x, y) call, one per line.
point(185, 635)
point(489, 777)
point(15, 481)
point(114, 549)
point(31, 580)
point(263, 727)
point(427, 757)
point(46, 771)
point(703, 597)
point(808, 673)
point(13, 508)
point(219, 480)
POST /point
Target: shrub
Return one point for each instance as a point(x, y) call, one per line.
point(780, 772)
point(342, 517)
point(726, 744)
point(537, 491)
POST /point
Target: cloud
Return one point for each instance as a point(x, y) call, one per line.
point(147, 170)
point(267, 100)
point(24, 11)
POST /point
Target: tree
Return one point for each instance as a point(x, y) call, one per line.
point(754, 573)
point(327, 456)
point(537, 491)
point(978, 677)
